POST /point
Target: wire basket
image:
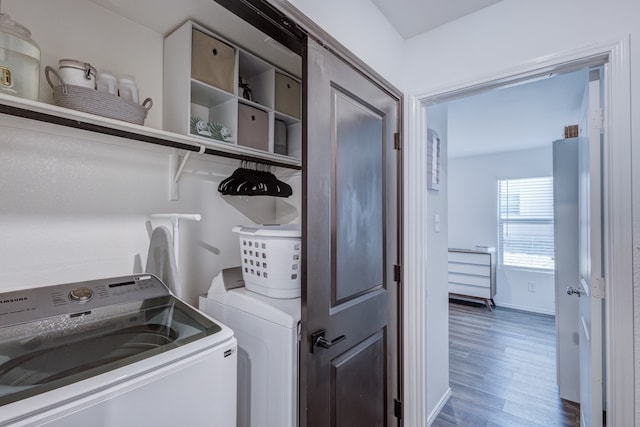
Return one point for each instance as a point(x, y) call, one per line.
point(93, 101)
point(271, 259)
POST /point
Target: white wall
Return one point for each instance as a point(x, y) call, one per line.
point(81, 30)
point(76, 206)
point(473, 217)
point(508, 34)
point(437, 304)
point(361, 28)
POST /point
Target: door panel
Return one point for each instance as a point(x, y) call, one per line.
point(350, 245)
point(565, 222)
point(358, 237)
point(358, 380)
point(590, 261)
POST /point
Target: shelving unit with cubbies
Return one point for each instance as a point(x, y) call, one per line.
point(265, 118)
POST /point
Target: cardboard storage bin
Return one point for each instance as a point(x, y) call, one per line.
point(279, 137)
point(253, 127)
point(287, 100)
point(212, 61)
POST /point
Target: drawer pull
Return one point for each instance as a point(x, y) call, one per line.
point(214, 51)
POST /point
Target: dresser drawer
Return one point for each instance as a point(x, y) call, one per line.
point(466, 279)
point(470, 258)
point(475, 269)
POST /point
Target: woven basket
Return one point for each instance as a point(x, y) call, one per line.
point(97, 102)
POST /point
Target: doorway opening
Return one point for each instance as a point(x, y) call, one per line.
point(495, 196)
point(424, 336)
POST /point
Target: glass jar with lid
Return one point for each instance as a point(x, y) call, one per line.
point(19, 60)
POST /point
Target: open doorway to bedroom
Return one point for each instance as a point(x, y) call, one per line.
point(494, 199)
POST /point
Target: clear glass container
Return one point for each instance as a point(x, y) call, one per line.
point(19, 60)
point(127, 88)
point(107, 82)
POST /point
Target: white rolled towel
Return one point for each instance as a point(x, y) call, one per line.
point(161, 260)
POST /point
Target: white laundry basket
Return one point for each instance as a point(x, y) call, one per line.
point(270, 257)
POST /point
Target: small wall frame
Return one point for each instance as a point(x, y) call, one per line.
point(433, 160)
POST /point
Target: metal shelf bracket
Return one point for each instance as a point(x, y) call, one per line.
point(176, 168)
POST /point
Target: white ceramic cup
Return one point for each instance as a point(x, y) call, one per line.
point(77, 73)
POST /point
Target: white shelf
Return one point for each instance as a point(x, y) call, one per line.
point(254, 104)
point(204, 94)
point(259, 75)
point(287, 119)
point(212, 104)
point(43, 112)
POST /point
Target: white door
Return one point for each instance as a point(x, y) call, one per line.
point(591, 285)
point(566, 231)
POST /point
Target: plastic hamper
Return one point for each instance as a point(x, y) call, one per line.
point(271, 259)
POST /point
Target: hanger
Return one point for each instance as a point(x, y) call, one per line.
point(254, 181)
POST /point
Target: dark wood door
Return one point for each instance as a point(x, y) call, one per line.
point(349, 351)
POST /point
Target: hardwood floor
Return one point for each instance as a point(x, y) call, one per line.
point(502, 370)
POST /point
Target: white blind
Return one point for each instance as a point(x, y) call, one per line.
point(525, 222)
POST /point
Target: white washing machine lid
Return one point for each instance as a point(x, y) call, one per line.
point(59, 335)
point(228, 289)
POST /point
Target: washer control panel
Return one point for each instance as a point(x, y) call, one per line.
point(81, 297)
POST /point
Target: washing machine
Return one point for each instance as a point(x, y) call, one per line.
point(113, 352)
point(268, 331)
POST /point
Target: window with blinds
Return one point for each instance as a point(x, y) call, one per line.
point(525, 223)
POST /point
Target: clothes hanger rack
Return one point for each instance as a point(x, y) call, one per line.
point(254, 179)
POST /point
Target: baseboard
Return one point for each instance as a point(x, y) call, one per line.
point(436, 411)
point(524, 308)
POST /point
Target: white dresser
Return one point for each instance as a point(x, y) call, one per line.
point(472, 274)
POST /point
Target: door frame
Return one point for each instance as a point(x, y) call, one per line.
point(617, 223)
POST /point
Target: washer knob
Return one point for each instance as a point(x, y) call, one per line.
point(81, 294)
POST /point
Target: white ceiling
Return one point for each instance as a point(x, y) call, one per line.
point(529, 115)
point(412, 17)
